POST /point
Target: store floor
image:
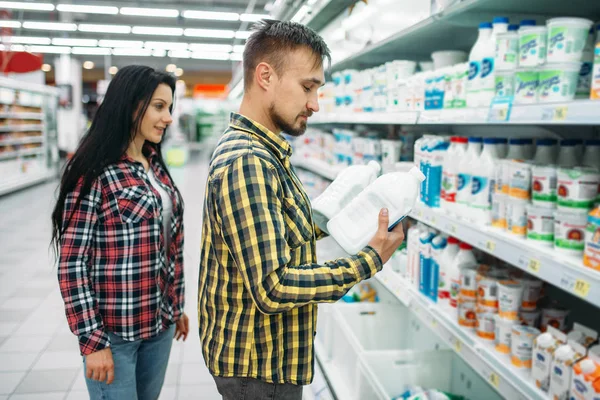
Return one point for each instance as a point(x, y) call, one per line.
point(39, 356)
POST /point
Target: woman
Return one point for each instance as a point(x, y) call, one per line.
point(118, 229)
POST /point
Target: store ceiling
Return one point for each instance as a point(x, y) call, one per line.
point(206, 44)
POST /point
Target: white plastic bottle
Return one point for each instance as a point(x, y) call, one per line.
point(412, 252)
point(355, 225)
point(591, 155)
point(346, 186)
point(482, 183)
point(464, 259)
point(478, 53)
point(465, 168)
point(455, 153)
point(446, 259)
point(545, 152)
point(568, 155)
point(507, 49)
point(425, 261)
point(516, 151)
point(438, 244)
point(487, 87)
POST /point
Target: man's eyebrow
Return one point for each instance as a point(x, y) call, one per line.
point(316, 81)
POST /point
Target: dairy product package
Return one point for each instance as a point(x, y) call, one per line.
point(585, 382)
point(591, 251)
point(595, 85)
point(583, 335)
point(544, 347)
point(554, 316)
point(521, 344)
point(565, 357)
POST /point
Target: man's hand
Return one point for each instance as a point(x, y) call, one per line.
point(386, 243)
point(99, 366)
point(182, 327)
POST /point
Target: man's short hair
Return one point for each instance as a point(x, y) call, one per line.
point(272, 40)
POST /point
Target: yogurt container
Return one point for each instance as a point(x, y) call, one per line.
point(519, 174)
point(555, 317)
point(569, 232)
point(540, 225)
point(503, 333)
point(543, 185)
point(487, 294)
point(558, 82)
point(505, 83)
point(532, 45)
point(522, 345)
point(467, 316)
point(510, 297)
point(530, 318)
point(507, 50)
point(499, 209)
point(532, 292)
point(566, 38)
point(591, 252)
point(468, 284)
point(577, 188)
point(486, 325)
point(516, 217)
point(526, 86)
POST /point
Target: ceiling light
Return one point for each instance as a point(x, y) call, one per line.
point(210, 47)
point(166, 45)
point(94, 51)
point(29, 40)
point(12, 47)
point(50, 26)
point(74, 42)
point(88, 65)
point(302, 12)
point(150, 12)
point(97, 28)
point(132, 52)
point(159, 53)
point(211, 56)
point(210, 33)
point(120, 43)
point(252, 17)
point(243, 34)
point(87, 9)
point(46, 67)
point(113, 70)
point(171, 68)
point(211, 15)
point(9, 24)
point(239, 48)
point(236, 56)
point(17, 5)
point(49, 49)
point(179, 54)
point(179, 72)
point(153, 30)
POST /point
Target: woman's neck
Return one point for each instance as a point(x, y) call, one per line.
point(135, 148)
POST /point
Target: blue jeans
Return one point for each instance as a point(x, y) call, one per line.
point(140, 368)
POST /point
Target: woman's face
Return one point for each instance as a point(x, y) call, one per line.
point(157, 117)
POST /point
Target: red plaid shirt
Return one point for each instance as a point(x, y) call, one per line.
point(112, 269)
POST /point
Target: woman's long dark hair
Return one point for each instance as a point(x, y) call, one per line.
point(115, 124)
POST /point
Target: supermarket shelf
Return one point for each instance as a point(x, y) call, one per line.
point(11, 184)
point(325, 12)
point(21, 128)
point(578, 112)
point(319, 167)
point(495, 368)
point(334, 380)
point(565, 272)
point(22, 115)
point(25, 140)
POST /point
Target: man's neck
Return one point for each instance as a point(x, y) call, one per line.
point(254, 111)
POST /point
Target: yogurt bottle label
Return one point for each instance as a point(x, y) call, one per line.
point(481, 192)
point(463, 187)
point(577, 188)
point(531, 50)
point(526, 85)
point(540, 228)
point(505, 85)
point(487, 74)
point(585, 79)
point(449, 186)
point(595, 91)
point(520, 181)
point(569, 236)
point(543, 185)
point(563, 41)
point(507, 52)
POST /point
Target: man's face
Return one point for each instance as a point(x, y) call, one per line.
point(295, 96)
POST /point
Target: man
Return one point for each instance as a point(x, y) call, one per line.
point(259, 281)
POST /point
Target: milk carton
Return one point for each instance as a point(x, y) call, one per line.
point(544, 347)
point(585, 383)
point(565, 357)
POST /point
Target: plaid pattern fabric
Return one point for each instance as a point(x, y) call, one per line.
point(259, 280)
point(112, 271)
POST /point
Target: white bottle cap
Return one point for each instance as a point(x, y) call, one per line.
point(545, 340)
point(375, 166)
point(564, 352)
point(587, 366)
point(414, 171)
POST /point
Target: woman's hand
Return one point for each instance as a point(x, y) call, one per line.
point(182, 327)
point(99, 366)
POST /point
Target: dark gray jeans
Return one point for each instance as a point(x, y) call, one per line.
point(253, 389)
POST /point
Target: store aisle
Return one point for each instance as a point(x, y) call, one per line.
point(39, 356)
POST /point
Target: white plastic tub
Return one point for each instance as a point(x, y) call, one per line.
point(526, 86)
point(558, 82)
point(448, 58)
point(532, 46)
point(566, 38)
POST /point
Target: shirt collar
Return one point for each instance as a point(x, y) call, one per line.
point(276, 142)
point(147, 150)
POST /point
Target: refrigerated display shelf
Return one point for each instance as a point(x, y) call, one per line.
point(563, 271)
point(578, 112)
point(23, 181)
point(21, 115)
point(25, 140)
point(495, 368)
point(319, 167)
point(334, 380)
point(21, 128)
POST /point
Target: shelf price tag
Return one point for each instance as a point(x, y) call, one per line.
point(581, 288)
point(560, 113)
point(500, 109)
point(534, 266)
point(495, 380)
point(578, 286)
point(490, 246)
point(457, 345)
point(452, 229)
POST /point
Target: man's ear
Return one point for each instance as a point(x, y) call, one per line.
point(264, 75)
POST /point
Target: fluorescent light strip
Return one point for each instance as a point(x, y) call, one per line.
point(211, 56)
point(253, 17)
point(50, 26)
point(159, 53)
point(166, 45)
point(87, 9)
point(97, 28)
point(29, 40)
point(121, 43)
point(74, 42)
point(17, 5)
point(157, 31)
point(210, 47)
point(9, 24)
point(302, 12)
point(132, 52)
point(211, 15)
point(150, 12)
point(209, 33)
point(14, 47)
point(91, 50)
point(239, 48)
point(236, 56)
point(243, 34)
point(180, 54)
point(49, 49)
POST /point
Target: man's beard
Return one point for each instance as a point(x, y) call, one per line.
point(284, 126)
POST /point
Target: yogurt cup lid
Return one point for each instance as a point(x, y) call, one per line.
point(563, 20)
point(535, 209)
point(534, 29)
point(545, 340)
point(524, 329)
point(563, 66)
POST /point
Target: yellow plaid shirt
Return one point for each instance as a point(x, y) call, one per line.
point(259, 281)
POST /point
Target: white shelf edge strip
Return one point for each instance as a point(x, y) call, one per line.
point(21, 128)
point(20, 182)
point(567, 273)
point(331, 373)
point(494, 368)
